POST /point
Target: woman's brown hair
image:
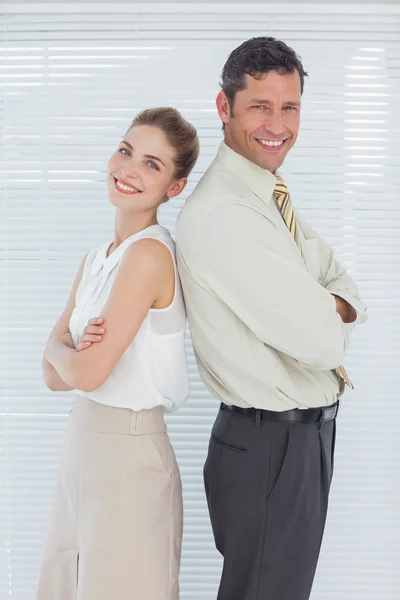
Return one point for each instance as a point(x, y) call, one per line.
point(180, 133)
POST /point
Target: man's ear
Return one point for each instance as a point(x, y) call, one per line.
point(223, 107)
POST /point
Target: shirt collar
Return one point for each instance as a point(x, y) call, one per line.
point(103, 264)
point(260, 181)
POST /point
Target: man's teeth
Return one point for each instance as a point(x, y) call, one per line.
point(268, 143)
point(126, 188)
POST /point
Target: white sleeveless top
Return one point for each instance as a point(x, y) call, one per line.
point(153, 369)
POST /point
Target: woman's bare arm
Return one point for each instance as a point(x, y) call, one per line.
point(145, 272)
point(60, 335)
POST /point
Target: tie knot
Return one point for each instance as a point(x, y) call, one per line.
point(280, 187)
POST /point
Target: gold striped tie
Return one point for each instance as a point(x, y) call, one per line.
point(285, 207)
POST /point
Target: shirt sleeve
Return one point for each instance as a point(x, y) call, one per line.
point(247, 263)
point(334, 277)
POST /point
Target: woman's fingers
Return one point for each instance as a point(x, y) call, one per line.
point(92, 329)
point(86, 337)
point(83, 346)
point(92, 333)
point(96, 321)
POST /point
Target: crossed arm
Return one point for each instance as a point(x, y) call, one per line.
point(244, 261)
point(144, 277)
point(334, 278)
point(60, 335)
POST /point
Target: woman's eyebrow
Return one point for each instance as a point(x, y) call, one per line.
point(127, 144)
point(150, 156)
point(154, 158)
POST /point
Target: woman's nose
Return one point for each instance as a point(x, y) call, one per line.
point(130, 168)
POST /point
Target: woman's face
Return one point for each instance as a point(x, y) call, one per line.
point(140, 173)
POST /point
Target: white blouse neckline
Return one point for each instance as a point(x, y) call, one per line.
point(103, 264)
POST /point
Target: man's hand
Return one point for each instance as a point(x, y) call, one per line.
point(347, 313)
point(92, 333)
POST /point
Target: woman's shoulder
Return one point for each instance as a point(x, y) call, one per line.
point(157, 239)
point(157, 232)
point(152, 252)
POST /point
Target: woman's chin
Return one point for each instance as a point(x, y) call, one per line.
point(125, 201)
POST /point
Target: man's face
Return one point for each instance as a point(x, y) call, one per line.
point(263, 122)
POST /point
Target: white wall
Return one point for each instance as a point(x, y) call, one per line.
point(70, 85)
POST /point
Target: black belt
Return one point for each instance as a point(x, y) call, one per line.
point(297, 415)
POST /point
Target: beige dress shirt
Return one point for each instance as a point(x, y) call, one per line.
point(263, 320)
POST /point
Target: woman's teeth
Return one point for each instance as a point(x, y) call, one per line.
point(126, 188)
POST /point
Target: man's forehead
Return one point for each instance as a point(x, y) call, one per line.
point(260, 87)
point(262, 79)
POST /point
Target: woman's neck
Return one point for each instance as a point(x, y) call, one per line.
point(125, 228)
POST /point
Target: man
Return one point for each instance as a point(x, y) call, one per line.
point(270, 312)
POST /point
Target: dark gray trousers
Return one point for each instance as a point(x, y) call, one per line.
point(267, 486)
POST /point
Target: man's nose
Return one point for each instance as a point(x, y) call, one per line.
point(274, 124)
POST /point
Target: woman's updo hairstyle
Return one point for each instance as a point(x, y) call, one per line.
point(180, 134)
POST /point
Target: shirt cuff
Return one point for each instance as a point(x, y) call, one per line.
point(358, 306)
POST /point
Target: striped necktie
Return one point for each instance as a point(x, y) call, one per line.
point(285, 207)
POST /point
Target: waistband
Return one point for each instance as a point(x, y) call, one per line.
point(296, 415)
point(94, 416)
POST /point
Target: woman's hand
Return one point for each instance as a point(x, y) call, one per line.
point(92, 333)
point(66, 339)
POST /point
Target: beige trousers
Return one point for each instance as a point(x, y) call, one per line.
point(116, 524)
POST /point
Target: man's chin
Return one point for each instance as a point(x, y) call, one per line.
point(270, 165)
point(269, 162)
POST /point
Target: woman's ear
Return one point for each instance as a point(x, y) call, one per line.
point(177, 187)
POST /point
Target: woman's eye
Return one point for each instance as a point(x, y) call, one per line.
point(124, 151)
point(153, 165)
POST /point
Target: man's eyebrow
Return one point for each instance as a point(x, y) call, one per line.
point(151, 156)
point(260, 101)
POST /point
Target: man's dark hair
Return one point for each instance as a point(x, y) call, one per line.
point(256, 57)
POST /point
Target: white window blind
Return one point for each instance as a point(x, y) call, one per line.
point(72, 78)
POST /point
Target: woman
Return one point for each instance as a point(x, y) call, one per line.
point(117, 519)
